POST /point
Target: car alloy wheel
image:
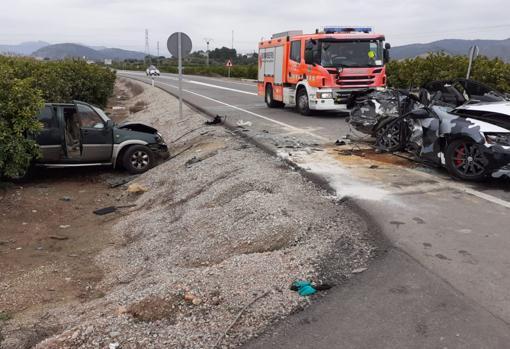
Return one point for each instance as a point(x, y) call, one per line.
point(388, 137)
point(140, 159)
point(468, 160)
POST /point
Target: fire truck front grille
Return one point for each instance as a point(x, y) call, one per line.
point(356, 80)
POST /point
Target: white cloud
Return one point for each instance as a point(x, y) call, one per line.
point(121, 23)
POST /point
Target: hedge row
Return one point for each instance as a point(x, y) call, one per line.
point(416, 72)
point(25, 84)
point(237, 71)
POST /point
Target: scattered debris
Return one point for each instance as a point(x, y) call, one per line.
point(418, 220)
point(217, 120)
point(304, 288)
point(117, 182)
point(64, 226)
point(359, 270)
point(242, 123)
point(114, 345)
point(339, 142)
point(374, 166)
point(137, 188)
point(66, 198)
point(59, 237)
point(110, 209)
point(397, 223)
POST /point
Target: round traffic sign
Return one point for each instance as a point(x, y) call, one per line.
point(173, 44)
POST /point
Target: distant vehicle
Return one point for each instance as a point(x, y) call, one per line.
point(153, 71)
point(81, 134)
point(320, 71)
point(472, 141)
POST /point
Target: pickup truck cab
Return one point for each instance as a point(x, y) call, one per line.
point(80, 134)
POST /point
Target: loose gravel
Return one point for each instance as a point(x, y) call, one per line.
point(221, 224)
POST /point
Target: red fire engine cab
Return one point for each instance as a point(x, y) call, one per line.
point(319, 71)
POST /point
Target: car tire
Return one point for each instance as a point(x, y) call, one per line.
point(464, 160)
point(271, 103)
point(303, 102)
point(388, 137)
point(138, 159)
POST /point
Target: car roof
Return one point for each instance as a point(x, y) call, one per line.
point(502, 107)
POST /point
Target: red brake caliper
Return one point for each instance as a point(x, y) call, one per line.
point(459, 154)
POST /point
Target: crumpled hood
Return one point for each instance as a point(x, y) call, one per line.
point(138, 127)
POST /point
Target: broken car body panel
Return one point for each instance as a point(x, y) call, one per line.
point(399, 121)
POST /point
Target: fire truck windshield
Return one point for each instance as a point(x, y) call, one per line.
point(348, 54)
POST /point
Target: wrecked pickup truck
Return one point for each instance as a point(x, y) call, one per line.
point(80, 134)
point(471, 140)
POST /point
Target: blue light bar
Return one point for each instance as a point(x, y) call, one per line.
point(333, 30)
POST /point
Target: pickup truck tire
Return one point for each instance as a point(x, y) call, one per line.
point(138, 159)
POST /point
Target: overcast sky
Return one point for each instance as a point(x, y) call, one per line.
point(121, 23)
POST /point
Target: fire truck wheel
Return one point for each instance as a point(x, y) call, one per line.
point(302, 102)
point(271, 103)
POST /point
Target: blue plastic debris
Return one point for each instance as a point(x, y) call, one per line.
point(304, 288)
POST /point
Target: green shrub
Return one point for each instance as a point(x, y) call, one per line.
point(19, 102)
point(418, 71)
point(25, 84)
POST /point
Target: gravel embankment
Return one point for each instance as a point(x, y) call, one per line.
point(221, 224)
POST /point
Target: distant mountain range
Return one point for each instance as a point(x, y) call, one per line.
point(24, 49)
point(61, 51)
point(68, 50)
point(489, 48)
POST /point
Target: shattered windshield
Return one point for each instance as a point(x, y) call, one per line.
point(349, 54)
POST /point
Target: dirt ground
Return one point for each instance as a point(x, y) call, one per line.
point(49, 237)
point(222, 225)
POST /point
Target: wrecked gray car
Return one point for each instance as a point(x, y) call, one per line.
point(472, 141)
point(80, 134)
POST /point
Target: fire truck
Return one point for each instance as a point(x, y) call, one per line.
point(320, 71)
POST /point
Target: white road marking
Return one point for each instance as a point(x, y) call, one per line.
point(290, 127)
point(221, 87)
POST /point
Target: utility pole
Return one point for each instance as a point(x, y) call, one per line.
point(208, 41)
point(232, 39)
point(158, 48)
point(147, 48)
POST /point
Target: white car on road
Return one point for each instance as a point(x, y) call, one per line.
point(153, 71)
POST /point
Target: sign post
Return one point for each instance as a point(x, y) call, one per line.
point(179, 45)
point(473, 54)
point(229, 65)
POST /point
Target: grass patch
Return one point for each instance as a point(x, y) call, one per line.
point(5, 316)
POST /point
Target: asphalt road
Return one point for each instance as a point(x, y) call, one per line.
point(455, 235)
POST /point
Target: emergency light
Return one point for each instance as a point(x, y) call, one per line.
point(333, 30)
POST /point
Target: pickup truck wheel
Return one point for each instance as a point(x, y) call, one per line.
point(138, 159)
point(271, 103)
point(303, 104)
